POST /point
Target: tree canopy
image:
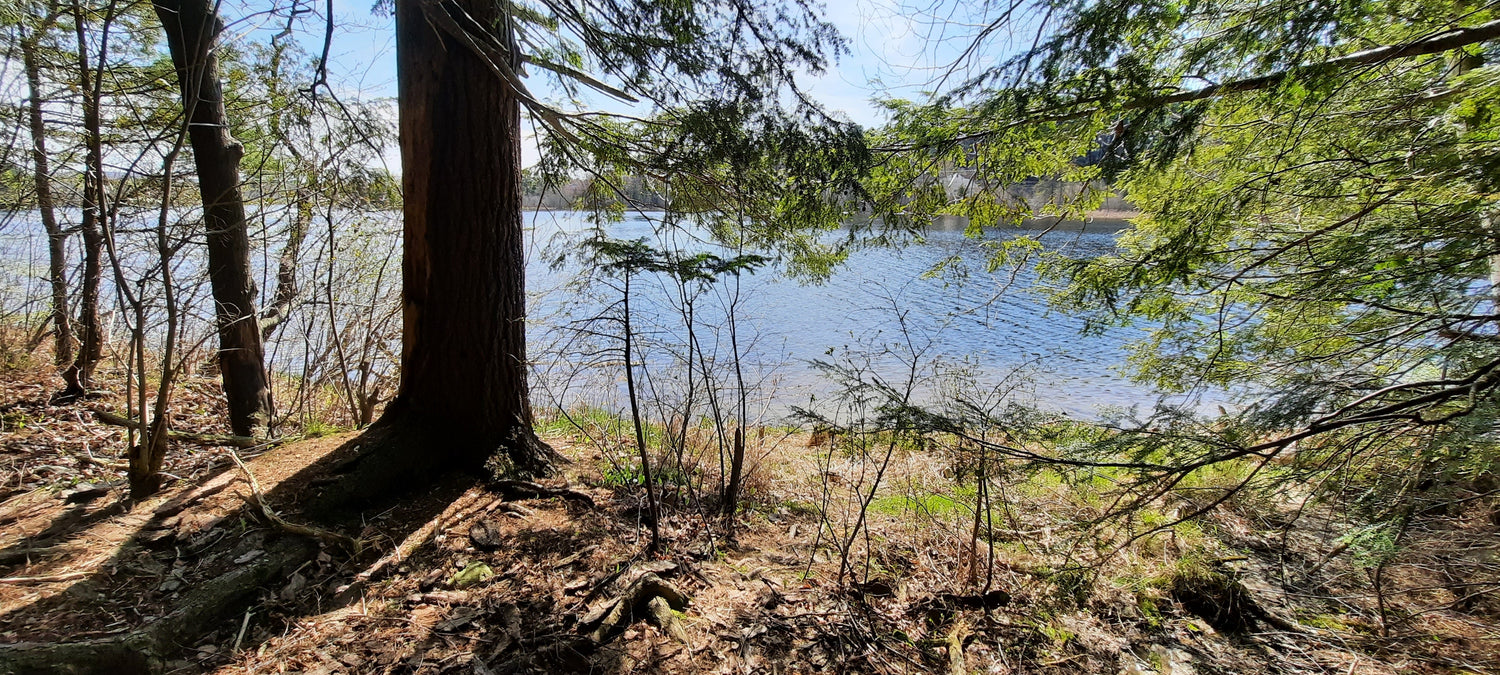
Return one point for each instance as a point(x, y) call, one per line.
point(1317, 189)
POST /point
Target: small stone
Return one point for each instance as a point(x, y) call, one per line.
point(486, 535)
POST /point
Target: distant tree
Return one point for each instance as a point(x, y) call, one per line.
point(31, 44)
point(193, 28)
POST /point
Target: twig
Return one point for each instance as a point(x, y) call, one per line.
point(241, 637)
point(351, 544)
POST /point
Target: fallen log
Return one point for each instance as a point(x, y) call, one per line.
point(143, 651)
point(209, 440)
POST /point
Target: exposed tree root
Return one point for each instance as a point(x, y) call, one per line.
point(144, 650)
point(460, 509)
point(648, 597)
point(525, 489)
point(524, 455)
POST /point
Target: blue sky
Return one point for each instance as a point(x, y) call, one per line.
point(882, 43)
point(894, 51)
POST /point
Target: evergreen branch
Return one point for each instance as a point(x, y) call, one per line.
point(1435, 44)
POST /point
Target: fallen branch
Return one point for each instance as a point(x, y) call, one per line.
point(955, 642)
point(351, 544)
point(210, 440)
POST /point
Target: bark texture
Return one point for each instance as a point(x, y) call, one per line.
point(463, 360)
point(192, 27)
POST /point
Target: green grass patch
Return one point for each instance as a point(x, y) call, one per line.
point(932, 504)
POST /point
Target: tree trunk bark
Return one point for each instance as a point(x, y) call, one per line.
point(192, 27)
point(463, 357)
point(57, 241)
point(79, 375)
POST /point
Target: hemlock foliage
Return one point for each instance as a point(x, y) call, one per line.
point(1319, 228)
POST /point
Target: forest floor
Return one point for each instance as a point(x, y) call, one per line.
point(462, 579)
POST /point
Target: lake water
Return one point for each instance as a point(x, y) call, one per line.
point(989, 324)
point(875, 310)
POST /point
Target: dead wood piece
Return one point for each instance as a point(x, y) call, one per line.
point(517, 510)
point(612, 584)
point(211, 440)
point(955, 642)
point(611, 619)
point(634, 572)
point(444, 597)
point(662, 615)
point(525, 489)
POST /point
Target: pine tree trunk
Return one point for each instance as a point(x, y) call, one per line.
point(463, 358)
point(192, 28)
